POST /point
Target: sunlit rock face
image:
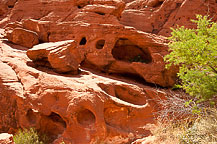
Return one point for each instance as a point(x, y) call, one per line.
point(87, 71)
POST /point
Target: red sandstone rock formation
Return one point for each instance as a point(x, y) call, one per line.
point(84, 108)
point(157, 16)
point(78, 105)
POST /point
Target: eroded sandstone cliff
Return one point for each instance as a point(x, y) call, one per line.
point(88, 71)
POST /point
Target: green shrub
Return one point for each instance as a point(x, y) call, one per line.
point(29, 137)
point(195, 52)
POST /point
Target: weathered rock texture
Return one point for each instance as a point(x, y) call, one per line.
point(83, 108)
point(109, 48)
point(52, 86)
point(157, 16)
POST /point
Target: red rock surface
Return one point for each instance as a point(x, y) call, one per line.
point(23, 37)
point(74, 85)
point(157, 16)
point(83, 108)
point(123, 50)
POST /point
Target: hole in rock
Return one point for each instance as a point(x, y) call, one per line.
point(31, 116)
point(100, 44)
point(158, 4)
point(155, 31)
point(57, 118)
point(10, 6)
point(100, 13)
point(52, 125)
point(127, 51)
point(178, 5)
point(79, 6)
point(85, 117)
point(129, 95)
point(125, 93)
point(83, 41)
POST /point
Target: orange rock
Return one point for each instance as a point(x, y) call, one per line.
point(38, 27)
point(108, 36)
point(5, 6)
point(157, 16)
point(129, 52)
point(83, 108)
point(23, 37)
point(62, 56)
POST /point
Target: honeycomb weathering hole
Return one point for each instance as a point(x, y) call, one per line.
point(57, 118)
point(83, 41)
point(158, 4)
point(85, 117)
point(125, 50)
point(100, 44)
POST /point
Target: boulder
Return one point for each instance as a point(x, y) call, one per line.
point(23, 37)
point(62, 56)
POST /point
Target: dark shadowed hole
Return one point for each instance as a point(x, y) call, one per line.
point(79, 6)
point(127, 51)
point(178, 4)
point(57, 118)
point(100, 44)
point(100, 13)
point(158, 4)
point(83, 41)
point(155, 31)
point(85, 117)
point(31, 116)
point(10, 6)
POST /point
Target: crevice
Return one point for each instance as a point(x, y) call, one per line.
point(10, 6)
point(136, 78)
point(79, 7)
point(19, 79)
point(158, 4)
point(156, 31)
point(100, 13)
point(48, 36)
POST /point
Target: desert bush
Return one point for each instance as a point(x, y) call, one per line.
point(173, 107)
point(183, 118)
point(195, 52)
point(203, 130)
point(29, 136)
point(191, 129)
